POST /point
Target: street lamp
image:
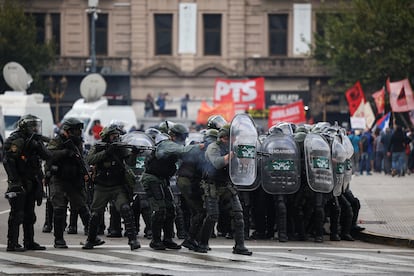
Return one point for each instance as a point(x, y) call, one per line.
point(56, 92)
point(93, 11)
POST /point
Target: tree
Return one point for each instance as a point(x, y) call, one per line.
point(18, 43)
point(367, 40)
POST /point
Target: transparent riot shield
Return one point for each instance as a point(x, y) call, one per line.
point(348, 163)
point(318, 163)
point(146, 146)
point(280, 164)
point(243, 142)
point(339, 155)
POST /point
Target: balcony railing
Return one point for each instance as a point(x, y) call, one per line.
point(106, 65)
point(284, 66)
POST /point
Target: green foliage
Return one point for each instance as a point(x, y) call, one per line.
point(367, 40)
point(18, 42)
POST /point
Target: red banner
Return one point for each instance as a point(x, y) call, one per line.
point(379, 99)
point(401, 95)
point(291, 113)
point(226, 110)
point(355, 96)
point(245, 94)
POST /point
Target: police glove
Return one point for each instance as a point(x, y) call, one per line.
point(15, 189)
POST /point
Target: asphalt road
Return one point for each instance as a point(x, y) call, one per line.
point(269, 257)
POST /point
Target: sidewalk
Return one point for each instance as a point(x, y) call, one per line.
point(387, 208)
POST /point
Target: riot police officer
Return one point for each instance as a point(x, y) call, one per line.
point(23, 152)
point(219, 188)
point(158, 170)
point(113, 181)
point(189, 178)
point(68, 175)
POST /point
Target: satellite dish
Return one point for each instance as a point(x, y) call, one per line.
point(16, 77)
point(92, 87)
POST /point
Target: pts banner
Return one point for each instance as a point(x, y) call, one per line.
point(245, 94)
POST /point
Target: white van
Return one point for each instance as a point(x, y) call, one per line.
point(88, 112)
point(15, 104)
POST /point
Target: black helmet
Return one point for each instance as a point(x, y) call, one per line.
point(71, 123)
point(216, 122)
point(178, 130)
point(30, 124)
point(108, 131)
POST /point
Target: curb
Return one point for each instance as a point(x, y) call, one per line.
point(371, 237)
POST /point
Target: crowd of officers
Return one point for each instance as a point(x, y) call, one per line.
point(170, 183)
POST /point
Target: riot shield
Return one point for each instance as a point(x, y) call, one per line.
point(146, 145)
point(339, 156)
point(318, 163)
point(348, 164)
point(280, 164)
point(243, 142)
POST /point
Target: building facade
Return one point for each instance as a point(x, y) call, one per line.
point(179, 47)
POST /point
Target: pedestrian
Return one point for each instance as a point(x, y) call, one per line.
point(68, 173)
point(366, 145)
point(149, 106)
point(96, 130)
point(355, 138)
point(156, 181)
point(161, 101)
point(113, 181)
point(217, 188)
point(379, 151)
point(396, 150)
point(23, 152)
point(386, 140)
point(184, 105)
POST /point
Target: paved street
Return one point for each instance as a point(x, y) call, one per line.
point(386, 212)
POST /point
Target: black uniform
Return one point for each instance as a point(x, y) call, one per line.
point(67, 184)
point(23, 152)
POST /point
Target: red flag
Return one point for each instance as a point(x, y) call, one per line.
point(401, 95)
point(292, 113)
point(379, 99)
point(355, 96)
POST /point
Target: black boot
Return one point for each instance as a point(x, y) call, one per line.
point(13, 237)
point(130, 227)
point(169, 232)
point(156, 223)
point(239, 247)
point(59, 222)
point(93, 239)
point(73, 222)
point(28, 241)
